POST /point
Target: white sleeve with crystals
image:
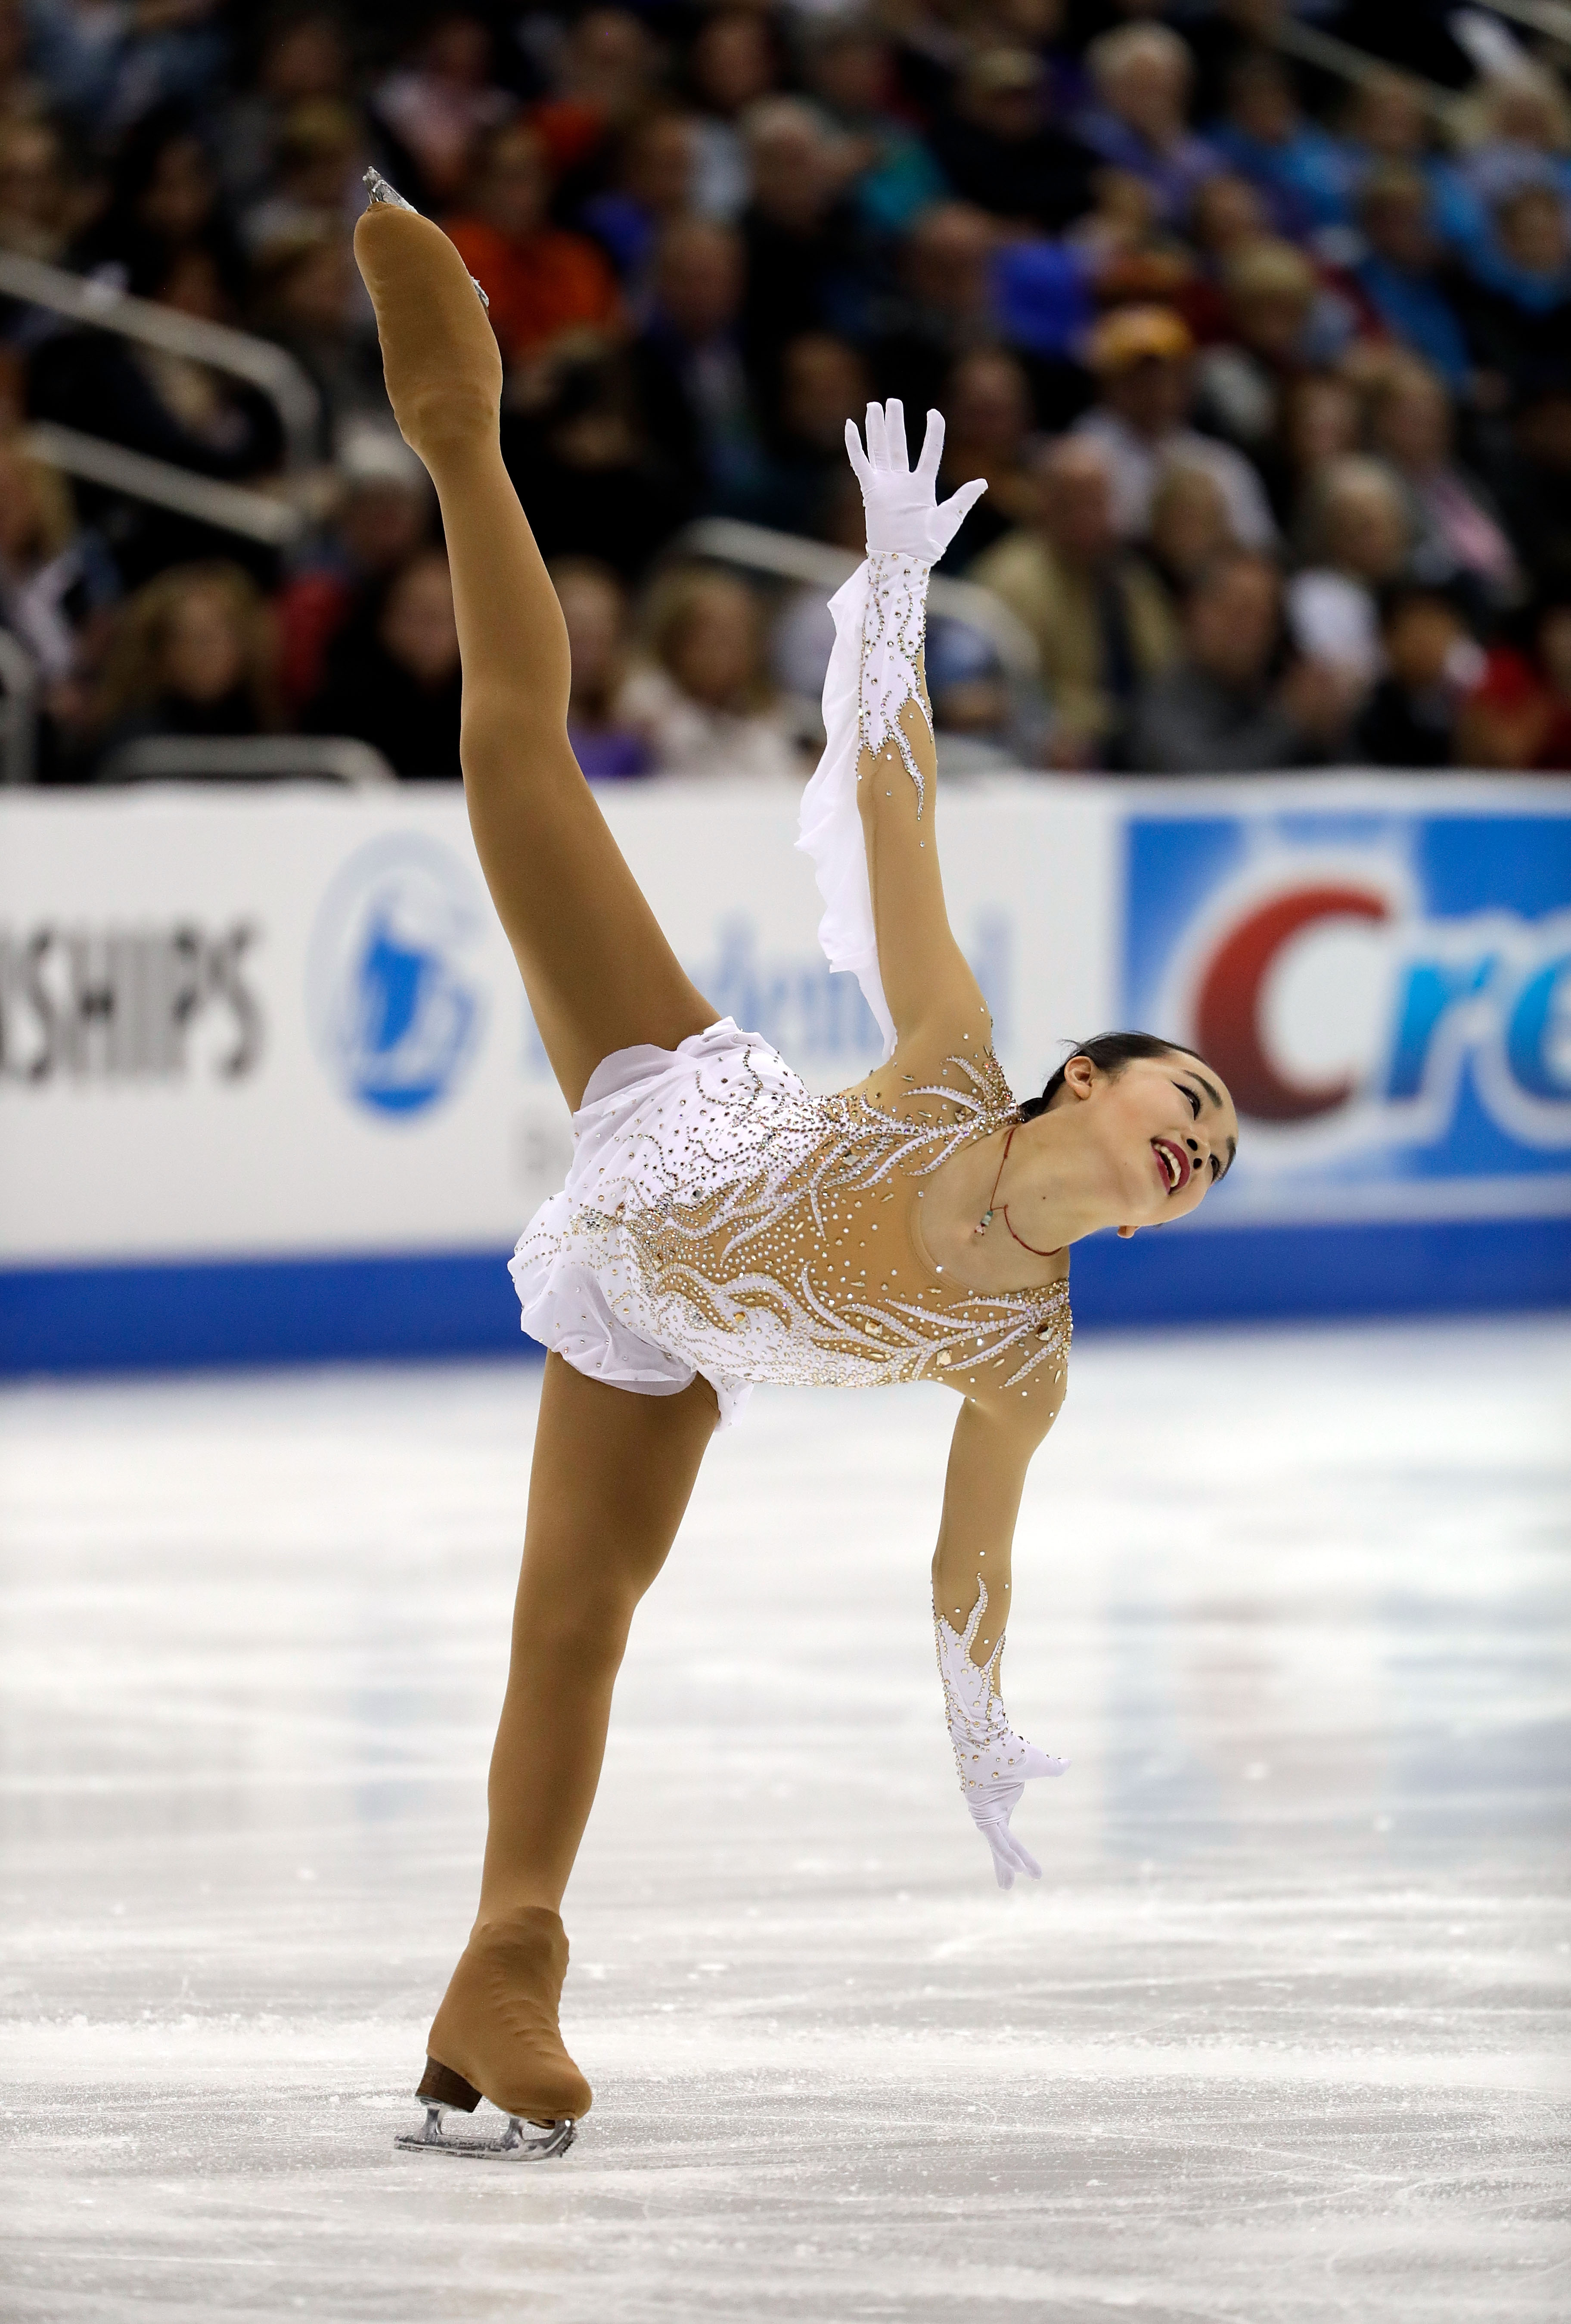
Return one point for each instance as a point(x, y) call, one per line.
point(880, 619)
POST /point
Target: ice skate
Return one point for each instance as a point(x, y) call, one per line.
point(439, 355)
point(497, 2036)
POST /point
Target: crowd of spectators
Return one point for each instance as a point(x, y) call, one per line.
point(1268, 373)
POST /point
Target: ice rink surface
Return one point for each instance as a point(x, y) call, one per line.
point(1280, 2037)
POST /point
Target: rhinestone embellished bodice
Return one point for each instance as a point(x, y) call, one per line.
point(760, 1232)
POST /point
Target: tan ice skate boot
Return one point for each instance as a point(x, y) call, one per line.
point(439, 355)
point(497, 2036)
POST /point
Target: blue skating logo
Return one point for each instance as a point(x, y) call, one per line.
point(396, 1015)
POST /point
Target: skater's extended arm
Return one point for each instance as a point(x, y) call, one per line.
point(925, 977)
point(988, 1455)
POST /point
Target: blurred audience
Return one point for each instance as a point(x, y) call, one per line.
point(190, 653)
point(1099, 616)
point(1224, 708)
point(391, 673)
point(1220, 335)
point(703, 697)
point(606, 745)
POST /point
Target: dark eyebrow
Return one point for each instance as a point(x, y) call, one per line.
point(1215, 1097)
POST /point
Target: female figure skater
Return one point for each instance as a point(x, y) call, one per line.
point(720, 1225)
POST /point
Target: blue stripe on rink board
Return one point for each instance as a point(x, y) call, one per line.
point(262, 1311)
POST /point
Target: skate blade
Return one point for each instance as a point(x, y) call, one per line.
point(510, 2146)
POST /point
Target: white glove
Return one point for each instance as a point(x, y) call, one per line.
point(994, 1763)
point(900, 501)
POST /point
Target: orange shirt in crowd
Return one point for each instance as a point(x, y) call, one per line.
point(540, 285)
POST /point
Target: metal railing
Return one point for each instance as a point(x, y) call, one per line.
point(18, 712)
point(787, 556)
point(1332, 55)
point(271, 369)
point(248, 759)
point(229, 508)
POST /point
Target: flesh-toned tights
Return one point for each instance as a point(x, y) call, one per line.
point(611, 1471)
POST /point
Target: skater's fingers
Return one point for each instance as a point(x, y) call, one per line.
point(932, 446)
point(894, 425)
point(877, 443)
point(854, 453)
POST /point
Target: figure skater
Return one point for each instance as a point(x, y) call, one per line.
point(720, 1225)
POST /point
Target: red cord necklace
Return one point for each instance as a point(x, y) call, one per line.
point(985, 1221)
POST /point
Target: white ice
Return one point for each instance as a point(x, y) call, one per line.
point(1277, 2039)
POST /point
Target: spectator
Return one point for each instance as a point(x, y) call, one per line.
point(1227, 215)
point(393, 677)
point(945, 307)
point(997, 148)
point(602, 69)
point(575, 448)
point(1270, 292)
point(1142, 75)
point(1222, 710)
point(1524, 136)
point(164, 204)
point(798, 239)
point(1457, 533)
point(606, 746)
point(39, 208)
point(540, 281)
point(317, 187)
point(1431, 663)
point(1099, 617)
point(1299, 168)
point(656, 179)
point(1400, 272)
point(1519, 716)
point(733, 64)
point(1520, 310)
point(987, 412)
point(849, 71)
point(1388, 124)
point(1321, 419)
point(435, 109)
point(824, 383)
point(1143, 360)
point(1532, 476)
point(303, 60)
point(308, 296)
point(1358, 538)
point(603, 80)
point(1189, 527)
point(56, 586)
point(190, 653)
point(705, 699)
point(687, 370)
point(383, 520)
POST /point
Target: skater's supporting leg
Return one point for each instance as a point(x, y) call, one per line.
point(598, 972)
point(612, 1476)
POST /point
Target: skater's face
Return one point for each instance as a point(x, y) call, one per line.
point(1158, 1135)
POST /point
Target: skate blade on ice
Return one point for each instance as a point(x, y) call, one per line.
point(509, 2146)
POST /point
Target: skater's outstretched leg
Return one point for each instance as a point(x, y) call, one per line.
point(598, 972)
point(611, 1479)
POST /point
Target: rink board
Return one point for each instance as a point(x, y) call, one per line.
point(268, 1088)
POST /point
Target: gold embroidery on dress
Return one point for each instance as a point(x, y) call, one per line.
point(719, 1240)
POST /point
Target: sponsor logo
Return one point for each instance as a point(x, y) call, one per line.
point(1397, 1011)
point(114, 1003)
point(395, 1011)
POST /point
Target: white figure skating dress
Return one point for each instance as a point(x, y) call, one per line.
point(720, 1219)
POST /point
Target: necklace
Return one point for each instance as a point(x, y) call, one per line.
point(985, 1221)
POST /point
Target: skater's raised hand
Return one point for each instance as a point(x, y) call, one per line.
point(904, 514)
point(994, 1763)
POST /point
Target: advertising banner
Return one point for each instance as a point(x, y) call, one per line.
point(269, 1084)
